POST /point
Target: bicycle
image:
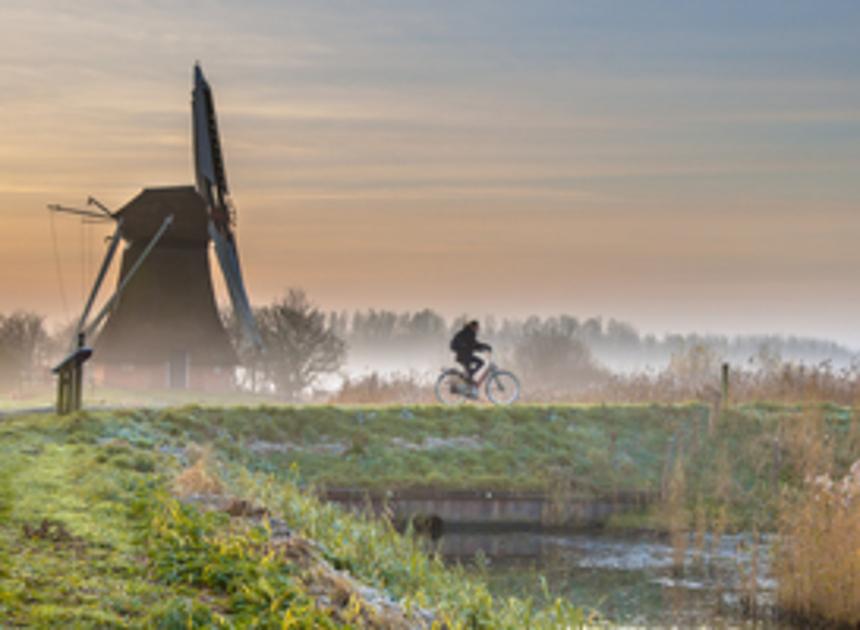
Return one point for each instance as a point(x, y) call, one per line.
point(501, 387)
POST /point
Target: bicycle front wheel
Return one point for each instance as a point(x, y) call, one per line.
point(503, 388)
point(450, 388)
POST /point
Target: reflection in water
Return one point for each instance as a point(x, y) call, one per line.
point(629, 578)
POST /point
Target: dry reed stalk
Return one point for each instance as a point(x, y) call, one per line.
point(676, 515)
point(817, 561)
point(787, 383)
point(199, 477)
point(375, 389)
point(700, 527)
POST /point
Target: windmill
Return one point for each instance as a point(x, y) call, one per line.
point(162, 327)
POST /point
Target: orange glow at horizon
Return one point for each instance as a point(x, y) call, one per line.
point(450, 168)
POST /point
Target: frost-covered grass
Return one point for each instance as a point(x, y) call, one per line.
point(90, 536)
point(67, 542)
point(587, 450)
point(732, 465)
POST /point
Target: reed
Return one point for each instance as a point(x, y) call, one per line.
point(817, 561)
point(787, 383)
point(376, 389)
point(818, 558)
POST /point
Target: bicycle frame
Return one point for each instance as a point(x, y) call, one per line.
point(471, 390)
point(488, 371)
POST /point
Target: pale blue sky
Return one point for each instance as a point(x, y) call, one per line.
point(682, 165)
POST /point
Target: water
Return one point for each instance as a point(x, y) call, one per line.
point(640, 579)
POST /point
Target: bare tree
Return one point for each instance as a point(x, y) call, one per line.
point(299, 346)
point(22, 343)
point(551, 357)
point(697, 366)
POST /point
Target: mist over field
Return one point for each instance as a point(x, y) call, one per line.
point(388, 341)
point(317, 355)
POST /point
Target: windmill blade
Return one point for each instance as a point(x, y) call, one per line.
point(212, 186)
point(228, 259)
point(208, 159)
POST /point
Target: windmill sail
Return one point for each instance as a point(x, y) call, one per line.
point(212, 186)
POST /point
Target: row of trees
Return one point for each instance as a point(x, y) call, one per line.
point(375, 334)
point(24, 347)
point(305, 346)
point(301, 348)
point(552, 354)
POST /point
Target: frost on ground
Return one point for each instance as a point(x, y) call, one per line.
point(321, 448)
point(431, 443)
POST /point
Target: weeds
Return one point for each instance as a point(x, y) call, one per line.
point(82, 556)
point(680, 382)
point(376, 389)
point(100, 543)
point(374, 552)
point(74, 559)
point(818, 557)
point(246, 584)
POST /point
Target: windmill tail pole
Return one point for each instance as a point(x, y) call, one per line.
point(98, 283)
point(109, 305)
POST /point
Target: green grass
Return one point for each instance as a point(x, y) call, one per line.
point(732, 467)
point(43, 396)
point(589, 449)
point(91, 537)
point(86, 569)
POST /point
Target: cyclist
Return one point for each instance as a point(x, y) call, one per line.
point(465, 343)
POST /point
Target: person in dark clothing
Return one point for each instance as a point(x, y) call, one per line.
point(465, 343)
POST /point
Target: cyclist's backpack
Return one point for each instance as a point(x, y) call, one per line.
point(456, 344)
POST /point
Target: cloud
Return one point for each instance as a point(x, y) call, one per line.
point(587, 151)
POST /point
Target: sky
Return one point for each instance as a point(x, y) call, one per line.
point(679, 165)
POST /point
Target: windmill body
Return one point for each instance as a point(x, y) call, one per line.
point(165, 331)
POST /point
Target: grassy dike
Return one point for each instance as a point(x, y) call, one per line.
point(93, 534)
point(124, 518)
point(723, 471)
point(592, 450)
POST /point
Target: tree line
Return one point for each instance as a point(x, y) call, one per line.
point(306, 345)
point(549, 352)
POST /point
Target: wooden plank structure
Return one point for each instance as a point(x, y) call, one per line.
point(70, 378)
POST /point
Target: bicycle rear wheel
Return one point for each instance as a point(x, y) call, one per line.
point(503, 388)
point(451, 389)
